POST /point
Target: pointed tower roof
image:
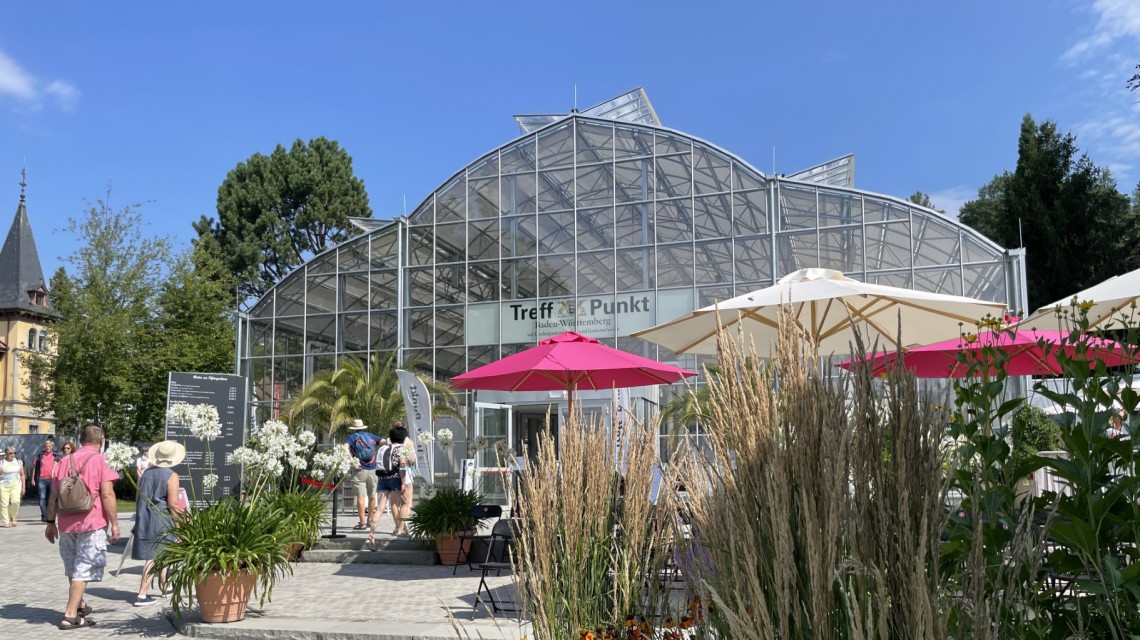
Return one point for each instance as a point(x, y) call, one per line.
point(22, 285)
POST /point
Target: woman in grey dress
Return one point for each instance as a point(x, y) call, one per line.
point(156, 506)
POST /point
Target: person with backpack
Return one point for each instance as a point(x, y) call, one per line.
point(83, 500)
point(390, 462)
point(363, 445)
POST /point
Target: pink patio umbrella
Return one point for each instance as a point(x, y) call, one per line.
point(568, 362)
point(1031, 352)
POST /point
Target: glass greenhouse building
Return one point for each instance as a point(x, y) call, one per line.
point(604, 222)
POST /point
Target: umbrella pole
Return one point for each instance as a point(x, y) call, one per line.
point(570, 410)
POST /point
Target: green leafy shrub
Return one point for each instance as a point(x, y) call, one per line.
point(1033, 431)
point(304, 515)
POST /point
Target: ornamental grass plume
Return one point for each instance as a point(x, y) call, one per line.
point(593, 545)
point(818, 515)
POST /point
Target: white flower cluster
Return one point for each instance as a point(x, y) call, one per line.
point(272, 447)
point(209, 481)
point(407, 451)
point(202, 419)
point(478, 443)
point(444, 437)
point(120, 456)
point(426, 437)
point(332, 463)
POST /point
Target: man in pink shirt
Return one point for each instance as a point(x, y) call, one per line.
point(82, 536)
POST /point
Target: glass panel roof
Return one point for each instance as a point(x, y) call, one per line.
point(596, 207)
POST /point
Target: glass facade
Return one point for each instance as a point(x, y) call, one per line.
point(601, 226)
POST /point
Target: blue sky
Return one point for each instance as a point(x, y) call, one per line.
point(160, 100)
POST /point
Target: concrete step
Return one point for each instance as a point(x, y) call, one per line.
point(380, 556)
point(357, 543)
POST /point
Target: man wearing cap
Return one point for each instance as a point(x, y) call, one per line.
point(363, 445)
point(157, 508)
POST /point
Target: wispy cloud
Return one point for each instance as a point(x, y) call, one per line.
point(1102, 60)
point(1115, 19)
point(951, 199)
point(26, 92)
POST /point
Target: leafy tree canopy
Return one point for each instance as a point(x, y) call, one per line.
point(131, 312)
point(923, 200)
point(1076, 227)
point(276, 211)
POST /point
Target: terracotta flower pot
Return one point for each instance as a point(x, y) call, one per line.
point(293, 551)
point(226, 601)
point(448, 548)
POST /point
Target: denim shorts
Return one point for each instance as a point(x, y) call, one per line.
point(390, 483)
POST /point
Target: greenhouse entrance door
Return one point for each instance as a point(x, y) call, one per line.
point(492, 473)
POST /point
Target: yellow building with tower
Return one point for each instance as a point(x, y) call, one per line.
point(25, 314)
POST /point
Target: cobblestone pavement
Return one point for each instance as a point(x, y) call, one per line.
point(33, 590)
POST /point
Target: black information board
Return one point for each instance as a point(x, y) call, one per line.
point(226, 393)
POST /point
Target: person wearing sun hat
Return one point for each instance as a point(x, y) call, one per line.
point(157, 506)
point(362, 445)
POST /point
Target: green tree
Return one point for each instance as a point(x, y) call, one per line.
point(923, 200)
point(131, 314)
point(276, 211)
point(1077, 228)
point(107, 338)
point(366, 391)
point(196, 315)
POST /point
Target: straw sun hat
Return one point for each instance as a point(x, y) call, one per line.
point(357, 425)
point(166, 453)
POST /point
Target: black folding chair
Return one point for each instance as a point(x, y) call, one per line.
point(504, 531)
point(477, 513)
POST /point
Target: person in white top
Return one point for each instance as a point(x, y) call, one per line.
point(12, 487)
point(143, 462)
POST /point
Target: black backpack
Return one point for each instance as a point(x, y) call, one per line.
point(388, 459)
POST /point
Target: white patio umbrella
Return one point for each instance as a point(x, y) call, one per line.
point(827, 306)
point(1112, 302)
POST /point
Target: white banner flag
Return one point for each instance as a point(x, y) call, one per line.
point(417, 402)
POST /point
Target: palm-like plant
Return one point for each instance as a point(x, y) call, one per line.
point(366, 391)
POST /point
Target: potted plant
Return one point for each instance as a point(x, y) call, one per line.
point(218, 553)
point(442, 517)
point(305, 514)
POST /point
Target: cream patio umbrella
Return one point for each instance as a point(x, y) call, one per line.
point(827, 306)
point(1113, 305)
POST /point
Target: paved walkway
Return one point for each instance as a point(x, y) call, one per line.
point(317, 601)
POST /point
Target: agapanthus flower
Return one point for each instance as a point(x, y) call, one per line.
point(332, 463)
point(444, 437)
point(243, 456)
point(202, 419)
point(120, 456)
point(209, 481)
point(426, 437)
point(306, 438)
